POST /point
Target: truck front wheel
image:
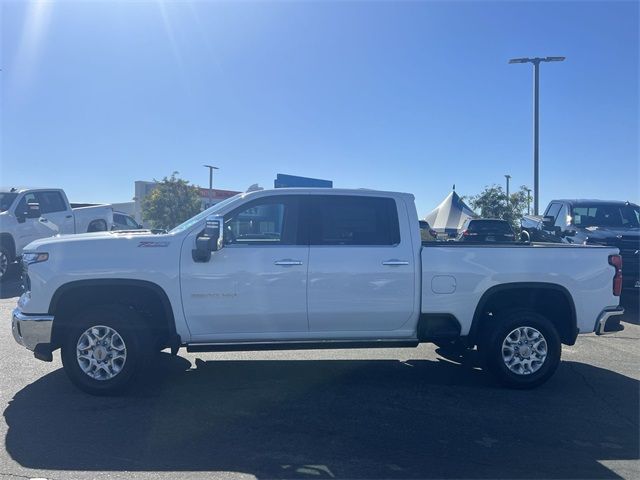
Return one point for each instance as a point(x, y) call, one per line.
point(103, 349)
point(5, 262)
point(522, 350)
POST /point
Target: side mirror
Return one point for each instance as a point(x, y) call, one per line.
point(31, 211)
point(209, 240)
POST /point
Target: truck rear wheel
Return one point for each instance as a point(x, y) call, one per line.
point(97, 226)
point(104, 350)
point(523, 350)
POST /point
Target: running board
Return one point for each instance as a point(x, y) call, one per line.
point(300, 345)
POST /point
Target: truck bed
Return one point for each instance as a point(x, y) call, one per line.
point(456, 275)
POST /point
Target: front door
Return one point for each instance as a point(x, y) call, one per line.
point(255, 287)
point(54, 208)
point(29, 229)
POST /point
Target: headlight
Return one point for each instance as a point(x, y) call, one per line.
point(34, 257)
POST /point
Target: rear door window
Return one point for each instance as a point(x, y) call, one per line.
point(353, 220)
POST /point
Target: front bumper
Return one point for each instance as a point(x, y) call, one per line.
point(608, 322)
point(32, 331)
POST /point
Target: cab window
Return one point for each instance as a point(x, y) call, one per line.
point(268, 221)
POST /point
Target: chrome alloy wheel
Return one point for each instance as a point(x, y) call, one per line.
point(4, 264)
point(524, 350)
point(101, 352)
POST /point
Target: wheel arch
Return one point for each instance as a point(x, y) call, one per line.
point(531, 292)
point(147, 297)
point(94, 223)
point(7, 241)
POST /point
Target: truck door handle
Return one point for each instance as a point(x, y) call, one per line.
point(395, 262)
point(286, 262)
point(69, 216)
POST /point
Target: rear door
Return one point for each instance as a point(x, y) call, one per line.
point(361, 272)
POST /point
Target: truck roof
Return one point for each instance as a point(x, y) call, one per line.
point(20, 189)
point(330, 191)
point(592, 201)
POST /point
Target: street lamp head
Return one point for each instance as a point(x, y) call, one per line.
point(554, 59)
point(519, 60)
point(211, 166)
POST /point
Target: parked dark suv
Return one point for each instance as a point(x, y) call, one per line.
point(593, 222)
point(486, 230)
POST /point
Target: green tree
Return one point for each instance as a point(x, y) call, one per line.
point(492, 203)
point(171, 202)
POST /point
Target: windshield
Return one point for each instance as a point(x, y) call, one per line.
point(602, 215)
point(6, 199)
point(204, 214)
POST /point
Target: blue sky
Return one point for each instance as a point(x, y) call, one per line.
point(411, 96)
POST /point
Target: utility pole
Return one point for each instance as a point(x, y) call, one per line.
point(211, 169)
point(507, 177)
point(536, 132)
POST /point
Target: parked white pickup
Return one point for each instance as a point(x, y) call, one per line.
point(306, 268)
point(30, 214)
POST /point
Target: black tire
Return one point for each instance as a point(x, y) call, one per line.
point(6, 259)
point(129, 326)
point(491, 348)
point(97, 226)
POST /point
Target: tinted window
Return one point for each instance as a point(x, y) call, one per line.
point(353, 220)
point(269, 221)
point(6, 199)
point(119, 219)
point(130, 222)
point(494, 226)
point(21, 208)
point(625, 216)
point(553, 210)
point(561, 220)
point(51, 202)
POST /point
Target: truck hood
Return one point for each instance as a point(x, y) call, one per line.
point(141, 237)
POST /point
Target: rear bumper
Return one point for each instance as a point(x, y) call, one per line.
point(608, 321)
point(32, 331)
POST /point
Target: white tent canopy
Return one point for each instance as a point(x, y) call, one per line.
point(449, 216)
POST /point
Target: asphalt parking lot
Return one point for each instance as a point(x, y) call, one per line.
point(361, 414)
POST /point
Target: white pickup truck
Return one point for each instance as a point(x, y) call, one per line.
point(29, 214)
point(302, 269)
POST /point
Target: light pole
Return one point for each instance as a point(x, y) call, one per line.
point(211, 169)
point(536, 80)
point(507, 177)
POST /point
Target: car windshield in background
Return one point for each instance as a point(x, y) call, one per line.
point(602, 215)
point(6, 199)
point(493, 226)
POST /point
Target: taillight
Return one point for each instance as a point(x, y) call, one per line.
point(616, 262)
point(467, 233)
